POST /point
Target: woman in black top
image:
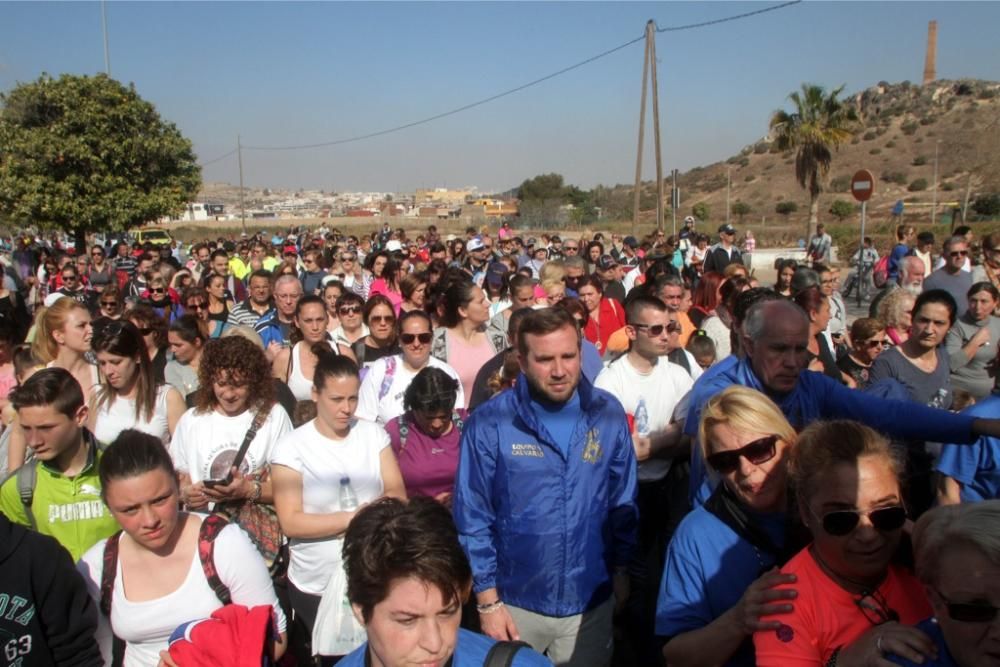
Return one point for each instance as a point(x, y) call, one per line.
point(821, 359)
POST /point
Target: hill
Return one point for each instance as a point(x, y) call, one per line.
point(901, 125)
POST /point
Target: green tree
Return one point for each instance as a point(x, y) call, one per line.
point(841, 209)
point(701, 211)
point(542, 188)
point(785, 208)
point(740, 209)
point(817, 125)
point(82, 153)
point(987, 205)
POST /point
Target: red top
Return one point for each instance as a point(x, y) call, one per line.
point(612, 318)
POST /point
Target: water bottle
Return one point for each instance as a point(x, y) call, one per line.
point(642, 419)
point(939, 399)
point(348, 499)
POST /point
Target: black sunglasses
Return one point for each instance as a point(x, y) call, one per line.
point(876, 608)
point(969, 612)
point(759, 451)
point(884, 344)
point(408, 338)
point(349, 310)
point(885, 519)
point(199, 305)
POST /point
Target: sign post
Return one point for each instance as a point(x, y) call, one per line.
point(862, 187)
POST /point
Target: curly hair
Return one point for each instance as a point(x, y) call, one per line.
point(234, 358)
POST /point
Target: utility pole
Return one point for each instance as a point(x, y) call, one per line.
point(649, 72)
point(729, 183)
point(934, 205)
point(107, 51)
point(675, 200)
point(243, 206)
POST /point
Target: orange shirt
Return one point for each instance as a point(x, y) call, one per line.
point(826, 616)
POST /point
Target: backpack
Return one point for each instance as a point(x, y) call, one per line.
point(210, 528)
point(27, 480)
point(880, 274)
point(502, 653)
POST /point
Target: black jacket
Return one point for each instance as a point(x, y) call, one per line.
point(46, 614)
point(717, 260)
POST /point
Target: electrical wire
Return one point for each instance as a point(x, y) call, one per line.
point(511, 91)
point(728, 18)
point(221, 157)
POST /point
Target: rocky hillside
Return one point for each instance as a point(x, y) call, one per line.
point(901, 125)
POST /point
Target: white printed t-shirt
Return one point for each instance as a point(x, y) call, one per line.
point(390, 406)
point(662, 389)
point(206, 443)
point(322, 462)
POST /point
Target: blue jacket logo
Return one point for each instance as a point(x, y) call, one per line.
point(592, 452)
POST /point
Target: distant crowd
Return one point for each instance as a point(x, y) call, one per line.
point(492, 449)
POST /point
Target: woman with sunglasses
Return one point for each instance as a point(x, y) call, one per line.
point(100, 274)
point(158, 296)
point(153, 329)
point(195, 301)
point(972, 342)
point(958, 560)
point(867, 342)
point(129, 396)
point(854, 604)
point(387, 379)
point(111, 303)
point(381, 341)
point(352, 327)
point(719, 582)
point(295, 365)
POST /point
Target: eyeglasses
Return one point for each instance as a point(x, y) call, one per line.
point(756, 452)
point(884, 519)
point(382, 319)
point(876, 608)
point(109, 304)
point(969, 612)
point(654, 330)
point(347, 258)
point(569, 248)
point(157, 290)
point(68, 278)
point(884, 344)
point(408, 338)
point(97, 254)
point(959, 253)
point(197, 305)
point(349, 310)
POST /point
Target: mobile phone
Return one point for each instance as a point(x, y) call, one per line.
point(212, 483)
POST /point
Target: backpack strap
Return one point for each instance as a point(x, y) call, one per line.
point(27, 479)
point(211, 526)
point(502, 654)
point(404, 431)
point(108, 574)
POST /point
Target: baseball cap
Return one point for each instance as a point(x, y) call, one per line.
point(393, 245)
point(606, 262)
point(474, 244)
point(631, 242)
point(495, 273)
point(531, 241)
point(727, 229)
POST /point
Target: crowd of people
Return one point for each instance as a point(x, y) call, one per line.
point(497, 449)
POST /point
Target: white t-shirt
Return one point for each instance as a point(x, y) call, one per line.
point(661, 389)
point(113, 418)
point(146, 626)
point(206, 443)
point(372, 408)
point(322, 462)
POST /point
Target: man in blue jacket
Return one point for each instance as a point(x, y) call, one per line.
point(545, 501)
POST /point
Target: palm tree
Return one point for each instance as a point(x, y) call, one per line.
point(817, 127)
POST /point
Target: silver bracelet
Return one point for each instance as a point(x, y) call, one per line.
point(489, 608)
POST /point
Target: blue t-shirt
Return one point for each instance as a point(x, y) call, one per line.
point(977, 466)
point(708, 569)
point(932, 630)
point(470, 651)
point(560, 420)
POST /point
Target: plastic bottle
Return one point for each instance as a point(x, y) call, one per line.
point(642, 419)
point(348, 499)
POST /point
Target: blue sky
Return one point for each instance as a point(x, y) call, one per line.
point(289, 73)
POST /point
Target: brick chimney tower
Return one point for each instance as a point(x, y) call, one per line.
point(930, 73)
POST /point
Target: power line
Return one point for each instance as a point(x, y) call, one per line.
point(218, 159)
point(486, 100)
point(728, 18)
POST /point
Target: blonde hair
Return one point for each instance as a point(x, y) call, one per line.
point(971, 524)
point(825, 444)
point(47, 320)
point(894, 306)
point(743, 409)
point(553, 269)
